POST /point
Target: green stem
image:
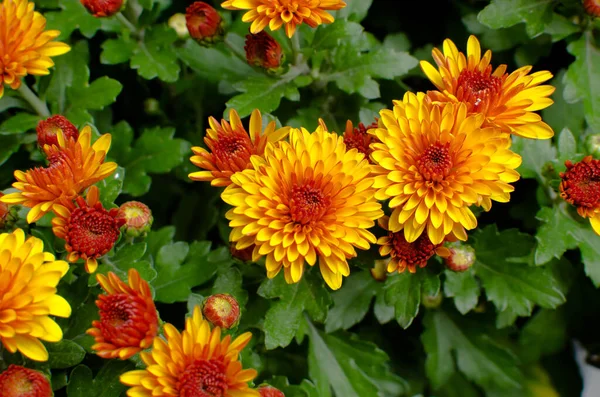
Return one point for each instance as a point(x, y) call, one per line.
point(125, 22)
point(296, 50)
point(241, 55)
point(36, 103)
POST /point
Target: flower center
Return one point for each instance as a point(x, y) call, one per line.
point(231, 151)
point(477, 88)
point(416, 253)
point(435, 163)
point(204, 378)
point(17, 381)
point(92, 231)
point(581, 184)
point(307, 204)
point(115, 310)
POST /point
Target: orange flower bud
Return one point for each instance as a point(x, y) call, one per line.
point(269, 391)
point(460, 258)
point(263, 50)
point(103, 8)
point(204, 23)
point(222, 310)
point(19, 381)
point(47, 130)
point(138, 218)
point(592, 7)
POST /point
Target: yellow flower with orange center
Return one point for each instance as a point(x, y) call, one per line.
point(434, 161)
point(74, 166)
point(291, 13)
point(196, 362)
point(508, 101)
point(25, 47)
point(231, 147)
point(28, 280)
point(306, 199)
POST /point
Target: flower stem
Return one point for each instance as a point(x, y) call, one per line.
point(125, 22)
point(296, 50)
point(36, 103)
point(234, 49)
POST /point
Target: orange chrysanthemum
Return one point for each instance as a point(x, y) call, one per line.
point(580, 186)
point(291, 13)
point(358, 138)
point(434, 161)
point(592, 7)
point(18, 381)
point(507, 101)
point(231, 147)
point(88, 229)
point(304, 199)
point(128, 318)
point(74, 166)
point(194, 363)
point(25, 47)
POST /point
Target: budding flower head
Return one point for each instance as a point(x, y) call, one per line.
point(104, 8)
point(592, 7)
point(244, 255)
point(178, 24)
point(138, 218)
point(264, 51)
point(593, 144)
point(204, 23)
point(269, 391)
point(379, 271)
point(48, 129)
point(580, 186)
point(222, 310)
point(19, 381)
point(432, 301)
point(461, 257)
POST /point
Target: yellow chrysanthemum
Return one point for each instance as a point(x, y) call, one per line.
point(434, 161)
point(28, 280)
point(291, 13)
point(231, 147)
point(304, 199)
point(507, 100)
point(74, 166)
point(195, 362)
point(25, 48)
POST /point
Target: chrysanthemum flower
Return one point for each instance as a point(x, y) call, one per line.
point(196, 362)
point(138, 218)
point(580, 186)
point(231, 147)
point(291, 13)
point(306, 199)
point(103, 8)
point(128, 318)
point(28, 295)
point(48, 129)
point(405, 255)
point(592, 7)
point(358, 138)
point(18, 381)
point(270, 391)
point(263, 50)
point(507, 100)
point(221, 310)
point(25, 48)
point(203, 22)
point(434, 161)
point(74, 166)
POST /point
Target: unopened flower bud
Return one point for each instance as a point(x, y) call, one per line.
point(593, 145)
point(19, 381)
point(264, 51)
point(152, 106)
point(204, 23)
point(178, 24)
point(104, 8)
point(269, 391)
point(138, 218)
point(49, 128)
point(379, 271)
point(8, 214)
point(592, 7)
point(461, 257)
point(432, 301)
point(245, 255)
point(222, 310)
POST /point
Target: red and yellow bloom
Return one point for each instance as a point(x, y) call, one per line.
point(580, 186)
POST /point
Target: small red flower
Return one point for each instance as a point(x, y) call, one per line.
point(128, 318)
point(592, 7)
point(103, 8)
point(19, 381)
point(461, 257)
point(89, 230)
point(48, 129)
point(138, 218)
point(580, 186)
point(270, 391)
point(358, 138)
point(263, 50)
point(204, 22)
point(222, 310)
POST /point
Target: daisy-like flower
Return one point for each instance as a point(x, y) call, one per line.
point(508, 101)
point(194, 363)
point(128, 318)
point(434, 161)
point(28, 295)
point(580, 186)
point(291, 13)
point(358, 138)
point(231, 147)
point(89, 230)
point(74, 166)
point(18, 381)
point(306, 199)
point(25, 47)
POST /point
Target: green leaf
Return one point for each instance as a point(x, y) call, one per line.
point(544, 334)
point(100, 93)
point(554, 235)
point(590, 251)
point(106, 383)
point(80, 382)
point(155, 57)
point(9, 144)
point(355, 10)
point(8, 102)
point(464, 288)
point(478, 357)
point(230, 282)
point(351, 303)
point(263, 93)
point(111, 187)
point(563, 114)
point(73, 16)
point(505, 13)
point(70, 71)
point(119, 50)
point(582, 80)
point(404, 291)
point(19, 123)
point(64, 354)
point(330, 36)
point(567, 146)
point(535, 153)
point(502, 266)
point(286, 314)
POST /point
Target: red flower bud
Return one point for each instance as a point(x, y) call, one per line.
point(138, 218)
point(222, 310)
point(47, 130)
point(103, 8)
point(19, 381)
point(204, 23)
point(245, 255)
point(263, 50)
point(460, 258)
point(269, 391)
point(592, 7)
